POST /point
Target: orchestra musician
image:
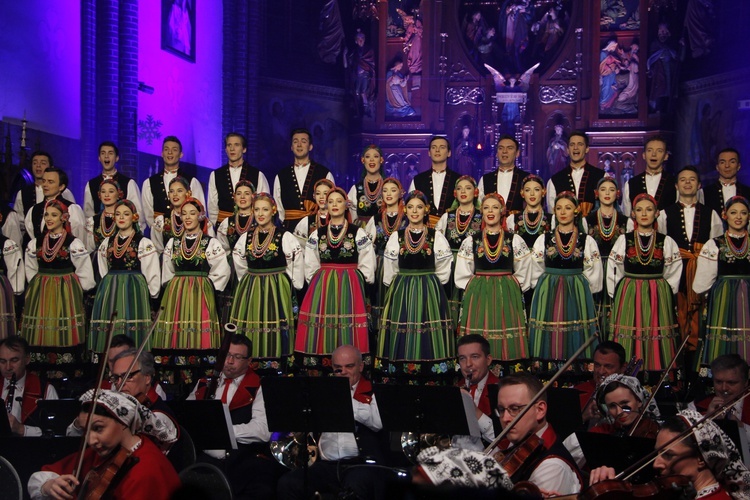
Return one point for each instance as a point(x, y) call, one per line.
point(609, 358)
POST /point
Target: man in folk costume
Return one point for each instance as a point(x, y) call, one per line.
point(155, 189)
point(250, 469)
point(293, 186)
point(54, 186)
point(655, 180)
point(507, 180)
point(690, 224)
point(21, 389)
point(223, 180)
point(726, 186)
point(579, 176)
point(437, 183)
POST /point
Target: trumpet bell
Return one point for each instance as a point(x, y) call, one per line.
point(288, 451)
point(412, 444)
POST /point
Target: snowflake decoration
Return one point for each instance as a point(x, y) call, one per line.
point(148, 129)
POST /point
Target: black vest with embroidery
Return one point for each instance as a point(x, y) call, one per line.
point(514, 203)
point(233, 232)
point(530, 237)
point(129, 260)
point(159, 191)
point(62, 261)
point(652, 264)
point(99, 232)
point(666, 193)
point(456, 237)
point(365, 207)
point(730, 263)
point(713, 196)
point(199, 263)
point(381, 236)
point(344, 251)
point(606, 242)
point(291, 197)
point(422, 260)
point(504, 260)
point(122, 180)
point(676, 225)
point(423, 182)
point(553, 259)
point(224, 187)
point(563, 181)
point(272, 258)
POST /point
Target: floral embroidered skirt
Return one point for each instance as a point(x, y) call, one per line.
point(493, 307)
point(263, 313)
point(643, 320)
point(727, 319)
point(7, 308)
point(563, 316)
point(53, 314)
point(127, 293)
point(333, 312)
point(416, 333)
point(189, 319)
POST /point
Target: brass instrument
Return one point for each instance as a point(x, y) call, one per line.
point(11, 394)
point(288, 450)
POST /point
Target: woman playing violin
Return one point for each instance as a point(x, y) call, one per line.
point(707, 456)
point(622, 398)
point(118, 462)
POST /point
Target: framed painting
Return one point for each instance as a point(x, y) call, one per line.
point(178, 28)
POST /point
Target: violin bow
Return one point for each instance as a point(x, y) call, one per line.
point(140, 351)
point(638, 466)
point(97, 390)
point(539, 394)
point(658, 386)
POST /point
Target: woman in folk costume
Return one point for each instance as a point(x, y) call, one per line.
point(463, 219)
point(268, 263)
point(416, 335)
point(366, 197)
point(12, 283)
point(605, 224)
point(379, 228)
point(194, 265)
point(102, 225)
point(131, 276)
point(642, 277)
point(724, 272)
point(339, 259)
point(495, 267)
point(59, 269)
point(170, 225)
point(308, 225)
point(229, 232)
point(563, 315)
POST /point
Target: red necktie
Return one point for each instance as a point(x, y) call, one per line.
point(227, 383)
point(473, 390)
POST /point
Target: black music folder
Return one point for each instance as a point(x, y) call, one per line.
point(208, 422)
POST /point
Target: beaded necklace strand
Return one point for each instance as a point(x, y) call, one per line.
point(189, 252)
point(412, 246)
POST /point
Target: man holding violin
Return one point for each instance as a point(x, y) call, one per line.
point(533, 452)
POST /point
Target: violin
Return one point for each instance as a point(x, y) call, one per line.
point(671, 487)
point(518, 459)
point(102, 479)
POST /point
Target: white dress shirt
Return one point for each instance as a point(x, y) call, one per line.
point(300, 171)
point(29, 430)
point(438, 180)
point(652, 185)
point(234, 174)
point(148, 198)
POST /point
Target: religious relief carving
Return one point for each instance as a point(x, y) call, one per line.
point(455, 96)
point(566, 94)
point(566, 71)
point(460, 73)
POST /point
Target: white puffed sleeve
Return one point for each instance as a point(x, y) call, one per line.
point(717, 225)
point(525, 267)
point(167, 265)
point(89, 236)
point(295, 267)
point(301, 231)
point(353, 202)
point(510, 223)
point(30, 260)
point(219, 272)
point(464, 263)
point(150, 267)
point(101, 257)
point(661, 222)
point(708, 268)
point(390, 259)
point(538, 250)
point(78, 223)
point(371, 229)
point(442, 223)
point(592, 265)
point(12, 228)
point(312, 256)
point(221, 234)
point(14, 265)
point(366, 260)
point(672, 264)
point(616, 264)
point(157, 233)
point(79, 256)
point(443, 258)
point(238, 255)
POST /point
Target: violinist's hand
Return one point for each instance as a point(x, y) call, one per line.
point(61, 488)
point(601, 474)
point(716, 402)
point(591, 412)
point(549, 493)
point(15, 426)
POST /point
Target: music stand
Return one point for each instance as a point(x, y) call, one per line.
point(203, 419)
point(427, 409)
point(56, 414)
point(308, 404)
point(616, 452)
point(5, 429)
point(564, 410)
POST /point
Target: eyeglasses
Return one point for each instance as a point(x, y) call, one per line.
point(116, 378)
point(512, 410)
point(236, 357)
point(623, 408)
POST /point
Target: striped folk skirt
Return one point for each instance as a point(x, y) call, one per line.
point(7, 308)
point(563, 315)
point(53, 314)
point(493, 307)
point(333, 312)
point(603, 304)
point(643, 320)
point(727, 319)
point(189, 319)
point(263, 312)
point(416, 327)
point(127, 293)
